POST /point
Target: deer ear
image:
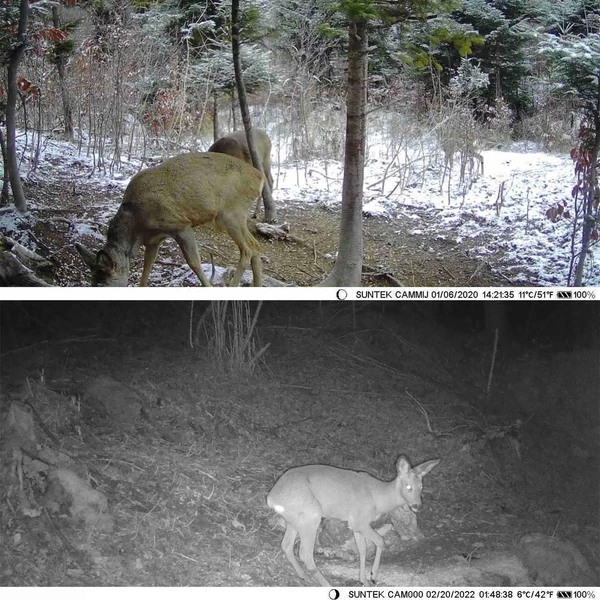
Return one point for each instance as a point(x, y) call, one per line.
point(424, 468)
point(402, 466)
point(88, 257)
point(104, 262)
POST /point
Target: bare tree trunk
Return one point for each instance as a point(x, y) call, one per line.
point(270, 210)
point(61, 69)
point(588, 206)
point(118, 109)
point(348, 266)
point(4, 192)
point(215, 111)
point(233, 114)
point(12, 95)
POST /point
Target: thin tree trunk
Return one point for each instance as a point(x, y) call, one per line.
point(12, 95)
point(592, 185)
point(61, 69)
point(233, 114)
point(4, 192)
point(215, 111)
point(348, 266)
point(270, 210)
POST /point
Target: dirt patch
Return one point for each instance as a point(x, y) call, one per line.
point(61, 210)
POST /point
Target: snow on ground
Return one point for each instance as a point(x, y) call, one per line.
point(524, 244)
point(529, 247)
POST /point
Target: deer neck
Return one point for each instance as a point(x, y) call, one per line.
point(122, 240)
point(388, 497)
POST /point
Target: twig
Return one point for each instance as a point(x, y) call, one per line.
point(387, 276)
point(527, 213)
point(323, 175)
point(59, 220)
point(492, 269)
point(186, 557)
point(476, 271)
point(255, 358)
point(449, 273)
point(422, 410)
point(251, 330)
point(494, 351)
point(500, 198)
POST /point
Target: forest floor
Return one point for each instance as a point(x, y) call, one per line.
point(186, 479)
point(388, 246)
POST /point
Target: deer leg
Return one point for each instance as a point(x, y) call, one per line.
point(361, 545)
point(242, 265)
point(236, 227)
point(287, 545)
point(187, 243)
point(266, 165)
point(267, 171)
point(150, 252)
point(370, 534)
point(256, 262)
point(257, 208)
point(308, 536)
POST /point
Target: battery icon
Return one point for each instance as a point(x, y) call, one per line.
point(564, 295)
point(563, 594)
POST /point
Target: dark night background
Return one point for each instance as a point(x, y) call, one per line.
point(209, 419)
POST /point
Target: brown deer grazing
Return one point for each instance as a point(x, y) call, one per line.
point(235, 144)
point(169, 200)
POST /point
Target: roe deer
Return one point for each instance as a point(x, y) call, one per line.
point(169, 200)
point(461, 138)
point(235, 144)
point(304, 495)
